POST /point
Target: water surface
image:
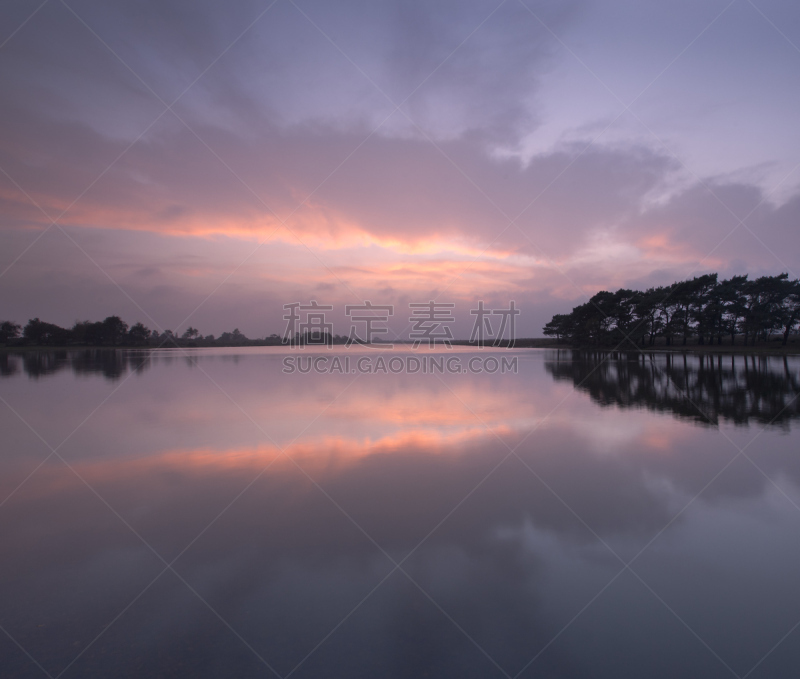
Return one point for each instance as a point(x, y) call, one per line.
point(203, 514)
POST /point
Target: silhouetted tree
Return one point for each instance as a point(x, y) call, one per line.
point(234, 337)
point(139, 334)
point(114, 330)
point(702, 308)
point(39, 332)
point(9, 330)
point(790, 308)
point(698, 293)
point(559, 327)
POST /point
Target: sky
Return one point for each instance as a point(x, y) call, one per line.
point(203, 164)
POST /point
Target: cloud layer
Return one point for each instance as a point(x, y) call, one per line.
point(390, 151)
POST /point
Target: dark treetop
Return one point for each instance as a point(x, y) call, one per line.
point(700, 310)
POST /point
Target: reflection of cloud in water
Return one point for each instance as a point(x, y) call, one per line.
point(180, 407)
point(512, 564)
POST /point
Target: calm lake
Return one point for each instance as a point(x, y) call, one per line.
point(203, 513)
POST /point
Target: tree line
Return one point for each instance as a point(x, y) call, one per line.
point(112, 332)
point(701, 310)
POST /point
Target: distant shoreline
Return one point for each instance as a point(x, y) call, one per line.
point(774, 348)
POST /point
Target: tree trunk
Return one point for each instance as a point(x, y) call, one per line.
point(789, 325)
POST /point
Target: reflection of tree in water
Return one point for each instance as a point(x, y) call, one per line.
point(703, 388)
point(40, 363)
point(8, 366)
point(110, 363)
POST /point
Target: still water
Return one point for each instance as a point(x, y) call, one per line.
point(204, 514)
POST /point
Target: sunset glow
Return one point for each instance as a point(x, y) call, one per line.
point(291, 168)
